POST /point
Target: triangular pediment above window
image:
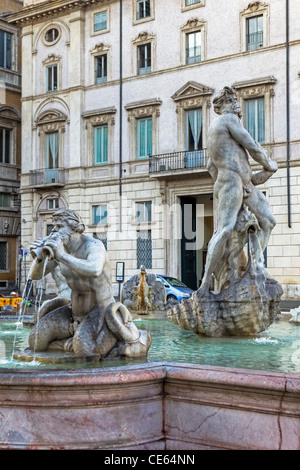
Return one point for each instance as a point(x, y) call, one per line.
point(191, 90)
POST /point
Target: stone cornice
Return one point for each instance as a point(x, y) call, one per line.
point(46, 9)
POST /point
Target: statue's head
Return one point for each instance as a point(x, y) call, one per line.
point(72, 218)
point(226, 101)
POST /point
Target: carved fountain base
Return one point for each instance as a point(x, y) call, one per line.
point(245, 308)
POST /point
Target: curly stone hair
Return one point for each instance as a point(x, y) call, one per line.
point(221, 96)
point(72, 217)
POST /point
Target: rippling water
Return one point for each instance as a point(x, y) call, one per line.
point(277, 349)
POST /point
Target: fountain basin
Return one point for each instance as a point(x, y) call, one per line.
point(157, 405)
point(151, 406)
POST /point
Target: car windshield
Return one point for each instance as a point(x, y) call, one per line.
point(174, 282)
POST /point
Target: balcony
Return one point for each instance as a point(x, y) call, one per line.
point(47, 178)
point(177, 162)
point(10, 78)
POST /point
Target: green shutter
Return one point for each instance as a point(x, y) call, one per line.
point(144, 138)
point(101, 145)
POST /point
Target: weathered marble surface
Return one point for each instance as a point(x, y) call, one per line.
point(295, 312)
point(143, 293)
point(245, 300)
point(84, 318)
point(152, 406)
point(237, 295)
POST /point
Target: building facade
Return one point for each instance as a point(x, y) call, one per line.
point(10, 146)
point(116, 105)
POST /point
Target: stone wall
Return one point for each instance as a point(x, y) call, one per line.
point(150, 407)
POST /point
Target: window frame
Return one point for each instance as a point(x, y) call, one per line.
point(143, 3)
point(105, 66)
point(188, 125)
point(101, 161)
point(4, 130)
point(3, 196)
point(143, 261)
point(49, 201)
point(190, 97)
point(147, 210)
point(193, 26)
point(258, 88)
point(146, 144)
point(92, 21)
point(6, 269)
point(52, 43)
point(143, 109)
point(97, 118)
point(197, 58)
point(248, 44)
point(101, 22)
point(53, 67)
point(102, 217)
point(143, 39)
point(6, 33)
point(256, 135)
point(98, 51)
point(135, 19)
point(254, 10)
point(185, 7)
point(48, 150)
point(147, 69)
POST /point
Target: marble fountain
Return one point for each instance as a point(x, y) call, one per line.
point(218, 373)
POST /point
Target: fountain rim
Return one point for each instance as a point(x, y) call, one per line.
point(152, 371)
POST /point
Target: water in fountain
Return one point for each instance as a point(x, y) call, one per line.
point(277, 349)
point(25, 298)
point(39, 308)
point(24, 303)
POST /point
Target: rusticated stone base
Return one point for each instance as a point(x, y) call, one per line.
point(250, 305)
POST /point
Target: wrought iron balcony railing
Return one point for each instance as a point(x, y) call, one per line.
point(178, 161)
point(49, 176)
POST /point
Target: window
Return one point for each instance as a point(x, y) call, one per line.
point(193, 47)
point(143, 9)
point(100, 215)
point(5, 50)
point(144, 249)
point(143, 212)
point(52, 77)
point(101, 68)
point(53, 204)
point(195, 157)
point(49, 229)
point(5, 200)
point(194, 129)
point(254, 31)
point(191, 2)
point(100, 21)
point(255, 118)
point(52, 150)
point(144, 137)
point(144, 59)
point(3, 256)
point(102, 237)
point(101, 144)
point(51, 35)
point(5, 145)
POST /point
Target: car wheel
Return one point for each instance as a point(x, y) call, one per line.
point(171, 297)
